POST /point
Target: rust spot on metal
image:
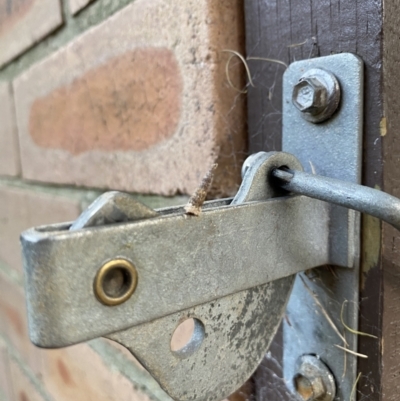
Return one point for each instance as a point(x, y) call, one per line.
point(303, 387)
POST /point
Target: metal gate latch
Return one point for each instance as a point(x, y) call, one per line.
point(231, 269)
point(133, 274)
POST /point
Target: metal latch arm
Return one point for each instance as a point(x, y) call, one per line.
point(353, 196)
point(133, 274)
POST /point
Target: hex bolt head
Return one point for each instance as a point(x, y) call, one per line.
point(310, 95)
point(313, 380)
point(316, 95)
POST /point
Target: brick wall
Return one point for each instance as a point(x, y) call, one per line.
point(129, 95)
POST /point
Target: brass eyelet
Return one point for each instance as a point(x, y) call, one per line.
point(115, 282)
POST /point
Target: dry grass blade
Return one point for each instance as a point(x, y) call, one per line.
point(313, 170)
point(237, 54)
point(360, 333)
point(193, 207)
point(344, 359)
point(324, 312)
point(353, 390)
point(351, 352)
point(298, 44)
point(270, 60)
point(228, 78)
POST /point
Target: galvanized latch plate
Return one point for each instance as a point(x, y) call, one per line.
point(231, 269)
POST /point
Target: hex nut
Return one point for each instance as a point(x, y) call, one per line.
point(313, 380)
point(316, 95)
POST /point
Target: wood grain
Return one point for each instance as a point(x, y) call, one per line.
point(391, 184)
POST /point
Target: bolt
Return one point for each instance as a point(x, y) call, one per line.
point(313, 380)
point(309, 96)
point(316, 95)
point(309, 388)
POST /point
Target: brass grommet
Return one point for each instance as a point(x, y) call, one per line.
point(115, 282)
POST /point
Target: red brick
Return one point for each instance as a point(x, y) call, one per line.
point(78, 373)
point(21, 209)
point(24, 389)
point(149, 96)
point(76, 5)
point(5, 377)
point(9, 152)
point(72, 373)
point(25, 22)
point(139, 103)
point(13, 322)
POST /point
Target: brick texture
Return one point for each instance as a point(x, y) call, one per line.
point(22, 386)
point(77, 5)
point(78, 373)
point(13, 322)
point(25, 22)
point(9, 152)
point(140, 102)
point(5, 377)
point(21, 209)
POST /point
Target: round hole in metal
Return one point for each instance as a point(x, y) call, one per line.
point(187, 337)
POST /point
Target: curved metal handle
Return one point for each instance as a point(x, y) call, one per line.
point(353, 196)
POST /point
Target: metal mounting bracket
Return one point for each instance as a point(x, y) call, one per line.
point(333, 149)
point(133, 274)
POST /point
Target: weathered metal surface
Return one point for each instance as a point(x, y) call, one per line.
point(112, 207)
point(226, 268)
point(238, 331)
point(182, 261)
point(332, 149)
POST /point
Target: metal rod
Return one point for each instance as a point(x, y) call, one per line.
point(353, 196)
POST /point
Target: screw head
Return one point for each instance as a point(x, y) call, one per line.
point(316, 95)
point(310, 95)
point(313, 380)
